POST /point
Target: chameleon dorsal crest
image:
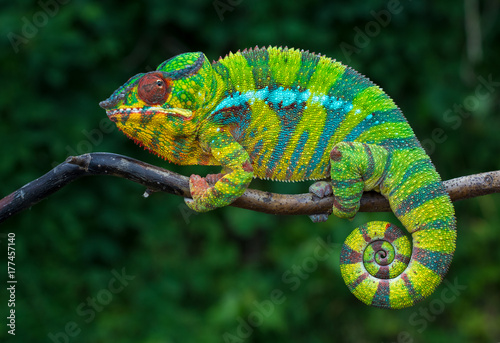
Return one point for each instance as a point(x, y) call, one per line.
point(291, 115)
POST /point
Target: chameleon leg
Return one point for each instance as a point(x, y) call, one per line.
point(355, 167)
point(378, 263)
point(218, 190)
point(225, 190)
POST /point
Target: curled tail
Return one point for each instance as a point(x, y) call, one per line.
point(378, 263)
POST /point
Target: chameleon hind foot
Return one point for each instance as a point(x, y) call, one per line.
point(320, 189)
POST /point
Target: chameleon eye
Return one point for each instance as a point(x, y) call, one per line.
point(153, 89)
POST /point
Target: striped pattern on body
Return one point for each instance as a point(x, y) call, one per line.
point(288, 108)
point(291, 115)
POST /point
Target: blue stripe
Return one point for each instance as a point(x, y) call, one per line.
point(392, 144)
point(436, 261)
point(293, 164)
point(308, 65)
point(416, 168)
point(333, 119)
point(256, 152)
point(288, 105)
point(349, 85)
point(281, 98)
point(381, 297)
point(417, 198)
point(373, 119)
point(444, 223)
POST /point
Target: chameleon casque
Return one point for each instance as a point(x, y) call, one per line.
point(291, 115)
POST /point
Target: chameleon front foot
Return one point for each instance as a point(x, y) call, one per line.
point(217, 190)
point(320, 189)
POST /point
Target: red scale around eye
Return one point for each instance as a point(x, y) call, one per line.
point(153, 89)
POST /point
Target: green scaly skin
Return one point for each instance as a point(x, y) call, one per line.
point(290, 115)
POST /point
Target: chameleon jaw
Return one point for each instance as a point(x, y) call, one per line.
point(180, 112)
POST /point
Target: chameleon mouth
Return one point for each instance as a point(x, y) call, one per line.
point(119, 113)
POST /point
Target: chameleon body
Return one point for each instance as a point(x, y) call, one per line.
point(290, 115)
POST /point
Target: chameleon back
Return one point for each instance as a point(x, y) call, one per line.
point(288, 108)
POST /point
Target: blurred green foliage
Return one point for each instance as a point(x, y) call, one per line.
point(231, 275)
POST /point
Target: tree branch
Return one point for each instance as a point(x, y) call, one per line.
point(159, 179)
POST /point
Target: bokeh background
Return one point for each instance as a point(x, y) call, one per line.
point(96, 262)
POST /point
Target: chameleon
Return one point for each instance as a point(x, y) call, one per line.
point(286, 114)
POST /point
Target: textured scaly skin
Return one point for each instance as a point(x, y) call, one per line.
point(290, 115)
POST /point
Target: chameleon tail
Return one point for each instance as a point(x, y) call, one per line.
point(378, 263)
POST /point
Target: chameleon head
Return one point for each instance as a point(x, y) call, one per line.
point(161, 110)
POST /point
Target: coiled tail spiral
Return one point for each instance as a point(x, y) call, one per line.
point(379, 264)
point(381, 269)
point(371, 256)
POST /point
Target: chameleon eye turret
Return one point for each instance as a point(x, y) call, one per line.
point(153, 89)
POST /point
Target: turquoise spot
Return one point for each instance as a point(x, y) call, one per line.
point(286, 96)
point(305, 95)
point(348, 107)
point(335, 104)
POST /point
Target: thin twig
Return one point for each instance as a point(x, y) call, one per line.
point(159, 179)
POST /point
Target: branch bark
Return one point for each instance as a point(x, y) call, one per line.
point(159, 179)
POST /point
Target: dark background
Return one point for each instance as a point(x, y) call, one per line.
point(232, 275)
